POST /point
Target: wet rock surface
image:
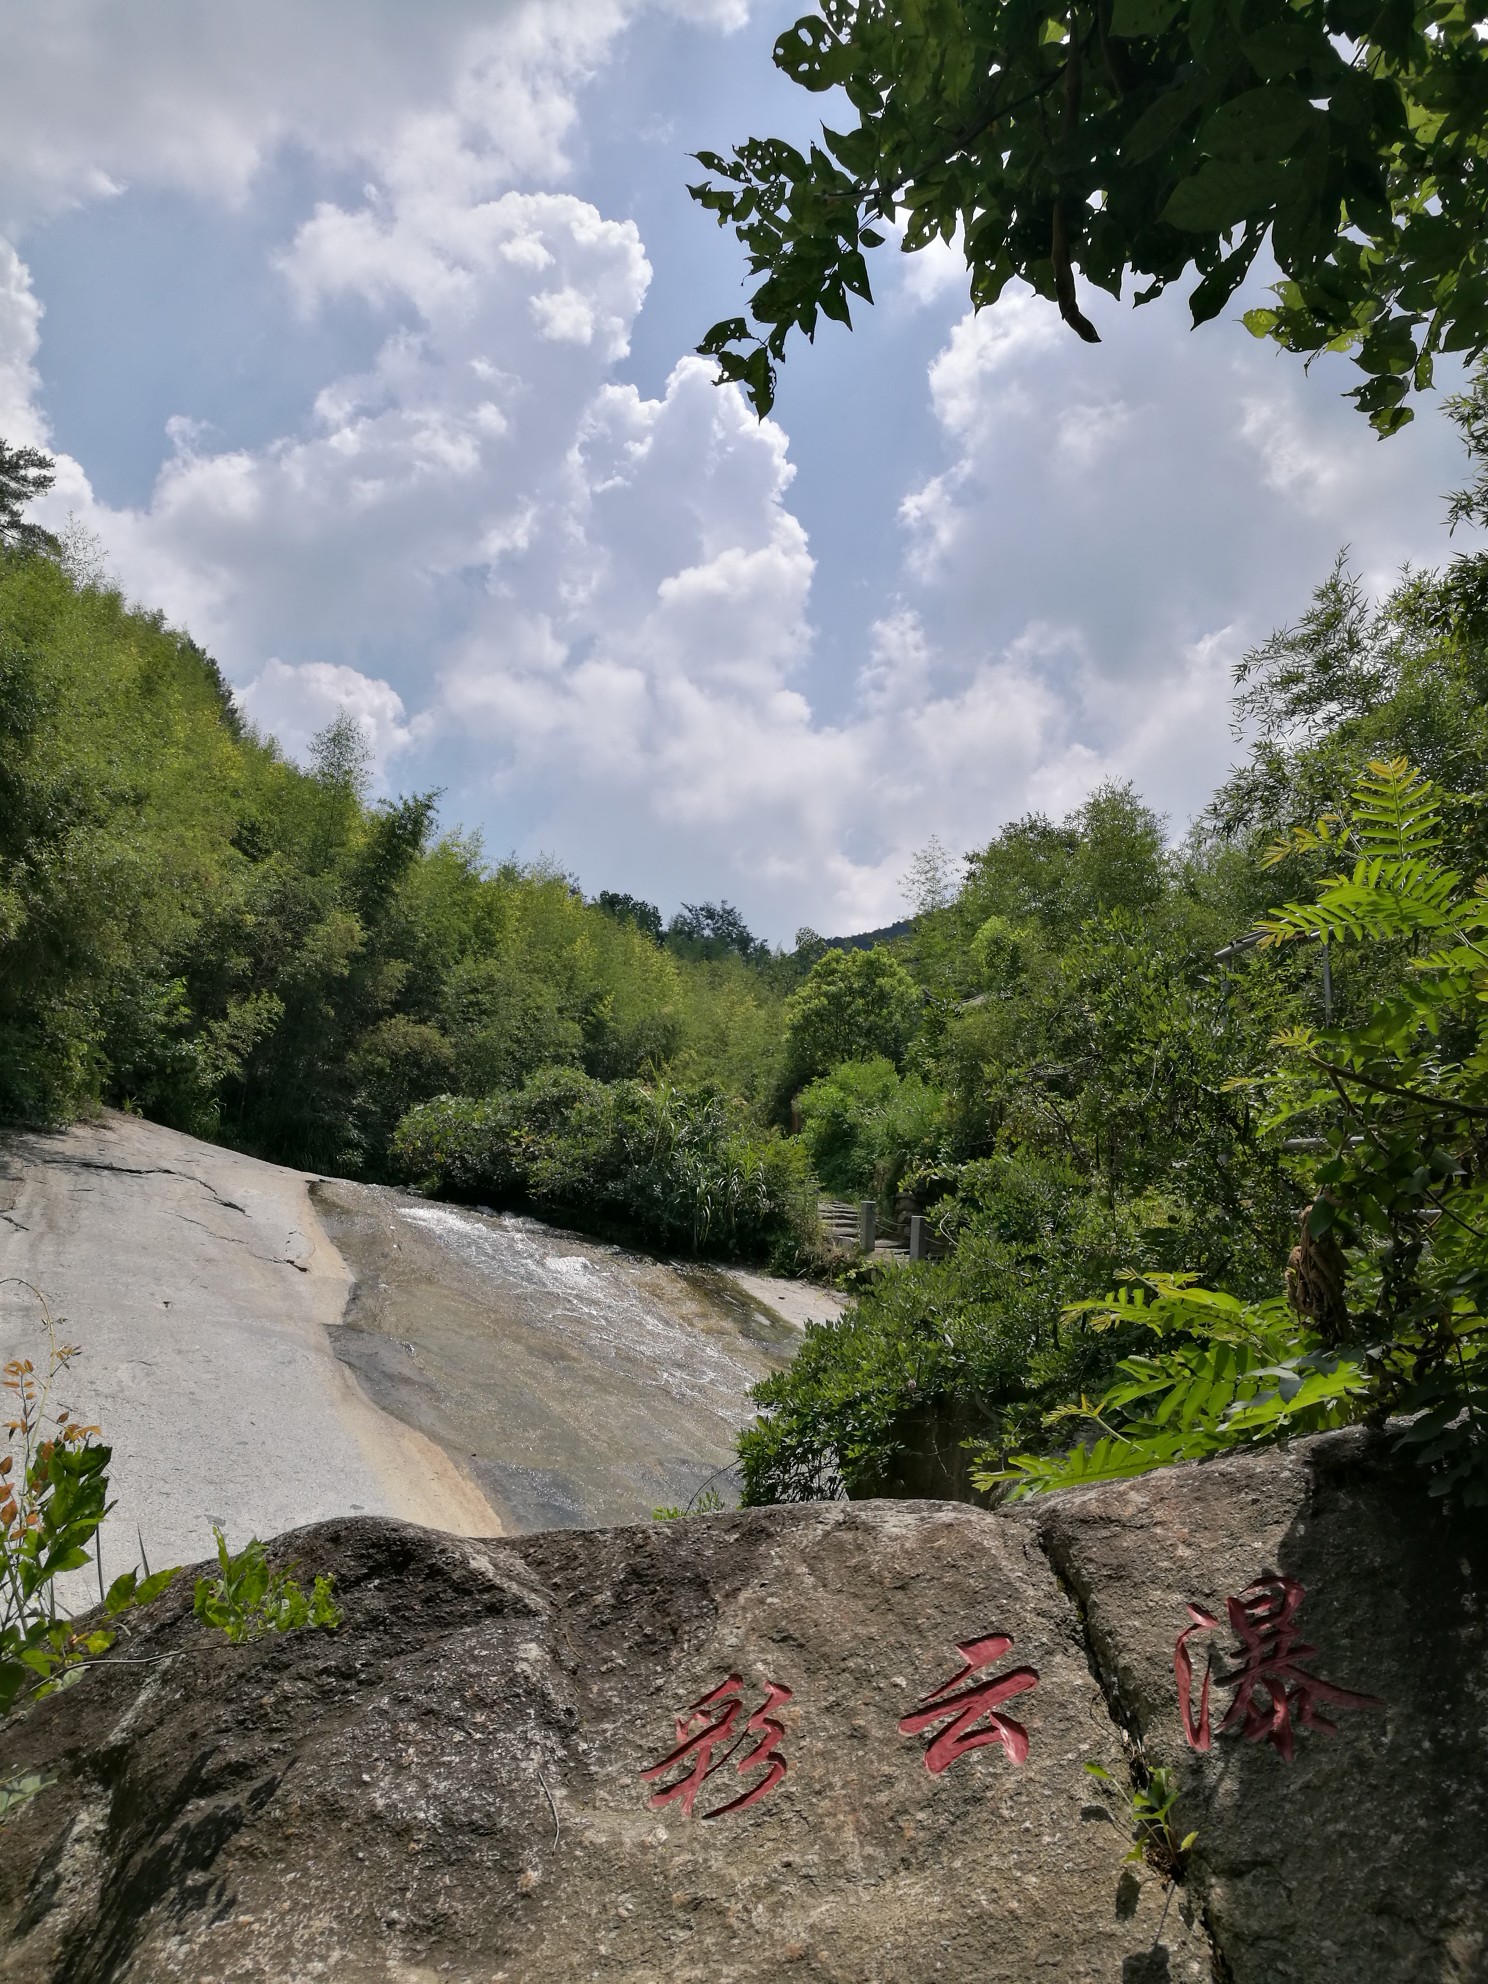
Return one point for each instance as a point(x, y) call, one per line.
point(576, 1383)
point(452, 1785)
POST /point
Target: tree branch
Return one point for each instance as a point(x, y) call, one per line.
point(1059, 251)
point(1439, 1103)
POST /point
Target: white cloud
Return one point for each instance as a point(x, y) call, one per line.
point(295, 701)
point(95, 96)
point(20, 336)
point(1089, 430)
point(609, 597)
point(969, 382)
point(937, 270)
point(415, 474)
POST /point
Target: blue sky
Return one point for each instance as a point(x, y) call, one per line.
point(361, 333)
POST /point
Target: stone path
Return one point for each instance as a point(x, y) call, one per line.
point(839, 1218)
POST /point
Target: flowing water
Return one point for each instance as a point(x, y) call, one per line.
point(577, 1383)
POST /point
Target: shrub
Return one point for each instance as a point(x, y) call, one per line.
point(934, 1353)
point(51, 1507)
point(1385, 1315)
point(248, 1598)
point(682, 1169)
point(864, 1121)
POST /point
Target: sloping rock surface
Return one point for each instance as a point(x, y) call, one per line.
point(201, 1287)
point(452, 1785)
point(577, 1383)
point(263, 1349)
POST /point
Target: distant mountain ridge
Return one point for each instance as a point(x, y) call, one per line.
point(864, 940)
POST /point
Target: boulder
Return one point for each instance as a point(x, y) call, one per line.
point(485, 1773)
point(451, 1786)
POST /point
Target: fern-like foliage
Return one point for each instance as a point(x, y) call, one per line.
point(1230, 1373)
point(1396, 888)
point(1395, 811)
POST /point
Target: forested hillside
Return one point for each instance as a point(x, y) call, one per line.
point(195, 928)
point(1243, 1068)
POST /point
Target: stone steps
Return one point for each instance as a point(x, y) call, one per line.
point(839, 1218)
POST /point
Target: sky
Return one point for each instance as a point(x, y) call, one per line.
point(362, 335)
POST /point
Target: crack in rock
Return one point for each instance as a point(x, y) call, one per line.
point(148, 1171)
point(240, 1240)
point(1123, 1714)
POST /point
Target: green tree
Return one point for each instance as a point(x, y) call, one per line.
point(854, 1006)
point(631, 909)
point(712, 930)
point(1355, 679)
point(25, 473)
point(1108, 854)
point(191, 925)
point(1135, 142)
point(931, 1354)
point(341, 755)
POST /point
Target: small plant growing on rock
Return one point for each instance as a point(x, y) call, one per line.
point(1149, 1812)
point(248, 1598)
point(708, 1502)
point(53, 1497)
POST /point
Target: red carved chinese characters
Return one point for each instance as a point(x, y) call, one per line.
point(963, 1711)
point(1264, 1670)
point(707, 1725)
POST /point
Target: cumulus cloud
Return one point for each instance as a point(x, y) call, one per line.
point(95, 97)
point(295, 701)
point(20, 337)
point(420, 480)
point(1141, 512)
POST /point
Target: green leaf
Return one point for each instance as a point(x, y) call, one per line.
point(1262, 124)
point(1281, 47)
point(811, 55)
point(18, 1791)
point(151, 1587)
point(121, 1594)
point(1215, 291)
point(1131, 18)
point(1161, 120)
point(72, 1557)
point(1224, 192)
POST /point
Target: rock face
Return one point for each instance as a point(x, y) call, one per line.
point(201, 1286)
point(577, 1383)
point(453, 1785)
point(263, 1349)
point(1367, 1856)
